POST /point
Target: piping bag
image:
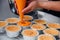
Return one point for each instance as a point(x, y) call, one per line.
point(20, 5)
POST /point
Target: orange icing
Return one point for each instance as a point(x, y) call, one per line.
point(24, 23)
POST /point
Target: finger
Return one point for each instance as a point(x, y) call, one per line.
point(29, 11)
point(28, 8)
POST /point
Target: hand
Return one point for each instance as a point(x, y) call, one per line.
point(32, 4)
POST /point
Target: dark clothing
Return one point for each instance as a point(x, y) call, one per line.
point(55, 13)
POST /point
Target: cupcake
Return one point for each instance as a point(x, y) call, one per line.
point(24, 24)
point(12, 20)
point(30, 34)
point(38, 27)
point(53, 25)
point(3, 24)
point(51, 31)
point(40, 21)
point(28, 17)
point(12, 30)
point(46, 37)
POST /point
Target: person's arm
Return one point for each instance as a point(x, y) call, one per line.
point(50, 5)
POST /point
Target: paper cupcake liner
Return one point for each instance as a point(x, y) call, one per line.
point(30, 38)
point(12, 34)
point(2, 29)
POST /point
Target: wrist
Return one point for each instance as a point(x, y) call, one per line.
point(37, 3)
point(41, 4)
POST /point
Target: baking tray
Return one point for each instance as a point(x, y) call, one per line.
point(5, 13)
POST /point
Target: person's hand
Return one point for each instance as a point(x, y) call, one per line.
point(32, 4)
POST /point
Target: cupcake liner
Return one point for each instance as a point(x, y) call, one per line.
point(12, 34)
point(2, 28)
point(28, 37)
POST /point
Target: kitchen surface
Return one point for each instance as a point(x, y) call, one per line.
point(5, 13)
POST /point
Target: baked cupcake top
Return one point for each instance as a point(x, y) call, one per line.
point(53, 25)
point(38, 27)
point(51, 31)
point(40, 21)
point(30, 33)
point(45, 37)
point(13, 28)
